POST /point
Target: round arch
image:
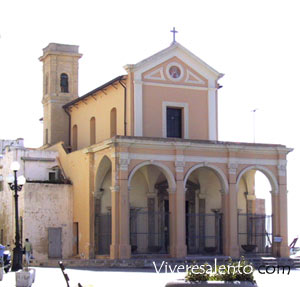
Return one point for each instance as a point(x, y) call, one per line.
point(271, 177)
point(165, 170)
point(103, 168)
point(219, 173)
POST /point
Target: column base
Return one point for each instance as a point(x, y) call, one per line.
point(114, 251)
point(178, 251)
point(280, 251)
point(124, 251)
point(233, 252)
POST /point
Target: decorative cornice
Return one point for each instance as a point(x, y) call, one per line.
point(38, 159)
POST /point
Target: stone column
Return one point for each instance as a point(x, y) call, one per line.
point(180, 247)
point(229, 206)
point(279, 210)
point(172, 232)
point(115, 236)
point(121, 165)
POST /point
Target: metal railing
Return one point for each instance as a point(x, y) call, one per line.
point(255, 231)
point(149, 231)
point(204, 233)
point(103, 233)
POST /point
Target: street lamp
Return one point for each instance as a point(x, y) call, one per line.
point(16, 185)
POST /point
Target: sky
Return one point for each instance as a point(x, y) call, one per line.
point(254, 43)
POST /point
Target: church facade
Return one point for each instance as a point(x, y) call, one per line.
point(148, 173)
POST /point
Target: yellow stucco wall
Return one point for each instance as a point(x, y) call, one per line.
point(76, 167)
point(98, 106)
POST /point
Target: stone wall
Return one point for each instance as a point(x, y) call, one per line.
point(47, 206)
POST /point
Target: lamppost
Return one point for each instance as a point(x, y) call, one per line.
point(16, 185)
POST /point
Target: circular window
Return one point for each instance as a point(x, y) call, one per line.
point(174, 72)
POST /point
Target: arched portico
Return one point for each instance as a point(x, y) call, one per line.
point(164, 169)
point(149, 207)
point(219, 173)
point(204, 185)
point(259, 227)
point(268, 173)
point(102, 207)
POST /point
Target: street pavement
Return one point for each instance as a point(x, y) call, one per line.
point(92, 277)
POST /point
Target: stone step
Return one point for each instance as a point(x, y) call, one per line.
point(148, 262)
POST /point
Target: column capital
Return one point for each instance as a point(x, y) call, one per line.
point(115, 188)
point(251, 196)
point(179, 165)
point(232, 167)
point(222, 191)
point(150, 195)
point(98, 194)
point(171, 190)
point(281, 169)
point(123, 163)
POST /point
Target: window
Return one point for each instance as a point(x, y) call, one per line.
point(52, 176)
point(92, 131)
point(113, 122)
point(174, 122)
point(74, 138)
point(64, 83)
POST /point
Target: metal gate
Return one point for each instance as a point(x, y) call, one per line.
point(255, 231)
point(103, 233)
point(204, 233)
point(149, 231)
point(54, 243)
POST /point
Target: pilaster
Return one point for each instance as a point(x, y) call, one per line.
point(279, 222)
point(115, 235)
point(92, 205)
point(124, 211)
point(229, 204)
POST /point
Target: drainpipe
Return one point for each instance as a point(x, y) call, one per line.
point(125, 105)
point(69, 135)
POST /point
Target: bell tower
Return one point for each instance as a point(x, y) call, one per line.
point(60, 86)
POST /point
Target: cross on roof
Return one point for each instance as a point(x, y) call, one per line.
point(174, 32)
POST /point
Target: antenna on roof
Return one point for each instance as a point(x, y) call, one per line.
point(253, 111)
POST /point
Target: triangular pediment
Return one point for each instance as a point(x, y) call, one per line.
point(198, 70)
point(191, 78)
point(174, 72)
point(157, 74)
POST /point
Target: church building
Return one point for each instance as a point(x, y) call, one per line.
point(148, 174)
